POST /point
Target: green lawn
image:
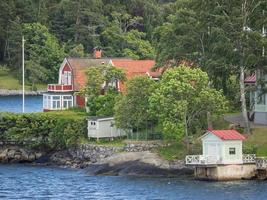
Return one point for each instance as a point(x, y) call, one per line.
point(69, 114)
point(257, 142)
point(9, 82)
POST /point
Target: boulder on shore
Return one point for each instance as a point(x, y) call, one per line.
point(138, 164)
point(18, 155)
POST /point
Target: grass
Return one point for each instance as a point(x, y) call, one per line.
point(75, 114)
point(178, 150)
point(173, 151)
point(10, 82)
point(105, 142)
point(257, 142)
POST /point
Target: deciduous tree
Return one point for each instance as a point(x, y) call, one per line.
point(183, 99)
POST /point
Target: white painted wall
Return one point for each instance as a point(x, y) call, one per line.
point(237, 157)
point(213, 146)
point(104, 128)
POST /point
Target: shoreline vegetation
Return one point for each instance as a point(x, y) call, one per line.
point(56, 139)
point(5, 92)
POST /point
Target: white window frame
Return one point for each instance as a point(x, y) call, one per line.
point(68, 101)
point(48, 101)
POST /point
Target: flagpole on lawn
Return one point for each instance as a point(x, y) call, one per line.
point(23, 71)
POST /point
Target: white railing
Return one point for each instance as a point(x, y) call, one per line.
point(261, 163)
point(249, 158)
point(202, 160)
point(213, 160)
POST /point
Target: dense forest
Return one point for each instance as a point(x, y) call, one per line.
point(224, 38)
point(57, 28)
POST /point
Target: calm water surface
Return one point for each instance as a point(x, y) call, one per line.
point(32, 182)
point(14, 103)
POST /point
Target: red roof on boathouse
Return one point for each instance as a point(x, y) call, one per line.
point(227, 134)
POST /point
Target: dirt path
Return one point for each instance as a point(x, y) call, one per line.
point(237, 119)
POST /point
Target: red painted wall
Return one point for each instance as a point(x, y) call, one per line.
point(66, 68)
point(80, 101)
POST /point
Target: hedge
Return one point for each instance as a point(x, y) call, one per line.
point(46, 131)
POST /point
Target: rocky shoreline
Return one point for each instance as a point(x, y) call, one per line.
point(4, 92)
point(132, 159)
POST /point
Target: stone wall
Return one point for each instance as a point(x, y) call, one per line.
point(83, 155)
point(79, 156)
point(93, 152)
point(13, 154)
point(142, 146)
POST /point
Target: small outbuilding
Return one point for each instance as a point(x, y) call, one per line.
point(104, 127)
point(223, 146)
point(222, 157)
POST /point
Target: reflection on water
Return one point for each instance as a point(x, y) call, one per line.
point(14, 103)
point(25, 182)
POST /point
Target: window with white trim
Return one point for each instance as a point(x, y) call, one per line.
point(56, 102)
point(67, 101)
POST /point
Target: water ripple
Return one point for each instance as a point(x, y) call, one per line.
point(32, 182)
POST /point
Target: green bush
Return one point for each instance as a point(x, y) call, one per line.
point(249, 148)
point(261, 151)
point(42, 130)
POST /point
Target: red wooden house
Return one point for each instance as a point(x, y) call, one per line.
point(72, 78)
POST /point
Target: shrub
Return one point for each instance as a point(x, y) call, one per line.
point(42, 130)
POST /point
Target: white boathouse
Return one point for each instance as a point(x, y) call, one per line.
point(222, 157)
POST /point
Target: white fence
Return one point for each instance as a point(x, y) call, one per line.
point(261, 163)
point(213, 160)
point(249, 158)
point(201, 160)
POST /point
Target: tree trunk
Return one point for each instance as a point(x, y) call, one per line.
point(243, 101)
point(77, 23)
point(186, 134)
point(209, 121)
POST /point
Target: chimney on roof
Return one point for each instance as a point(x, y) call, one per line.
point(97, 53)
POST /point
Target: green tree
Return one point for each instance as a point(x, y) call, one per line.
point(224, 37)
point(78, 22)
point(35, 73)
point(77, 51)
point(43, 48)
point(101, 89)
point(132, 108)
point(103, 104)
point(137, 47)
point(183, 99)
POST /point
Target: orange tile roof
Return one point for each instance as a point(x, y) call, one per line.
point(133, 68)
point(79, 67)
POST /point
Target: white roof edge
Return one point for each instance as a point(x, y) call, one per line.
point(209, 132)
point(102, 119)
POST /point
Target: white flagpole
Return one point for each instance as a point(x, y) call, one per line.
point(23, 71)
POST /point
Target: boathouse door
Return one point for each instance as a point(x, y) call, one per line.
point(213, 152)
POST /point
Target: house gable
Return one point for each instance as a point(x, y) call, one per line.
point(65, 66)
point(209, 137)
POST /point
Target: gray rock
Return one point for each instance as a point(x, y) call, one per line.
point(138, 164)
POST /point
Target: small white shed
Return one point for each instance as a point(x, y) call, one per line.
point(223, 146)
point(103, 127)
